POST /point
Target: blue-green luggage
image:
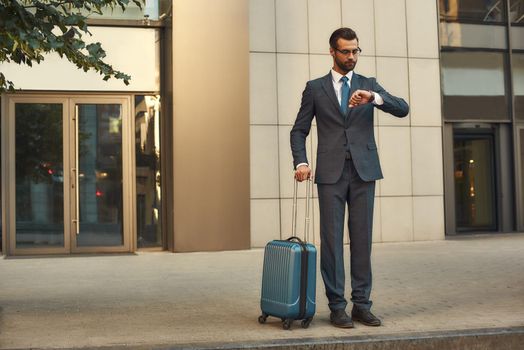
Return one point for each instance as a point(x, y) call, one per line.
point(289, 277)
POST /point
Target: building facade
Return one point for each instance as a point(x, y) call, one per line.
point(194, 154)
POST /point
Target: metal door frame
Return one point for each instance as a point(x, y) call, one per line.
point(9, 177)
point(127, 170)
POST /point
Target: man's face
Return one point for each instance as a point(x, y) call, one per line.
point(344, 59)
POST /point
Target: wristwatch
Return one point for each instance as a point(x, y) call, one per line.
point(372, 96)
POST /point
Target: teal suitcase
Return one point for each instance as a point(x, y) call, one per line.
point(289, 277)
point(289, 282)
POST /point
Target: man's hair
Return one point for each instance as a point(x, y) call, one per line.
point(344, 33)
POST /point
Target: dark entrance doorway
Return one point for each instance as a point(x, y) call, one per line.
point(475, 181)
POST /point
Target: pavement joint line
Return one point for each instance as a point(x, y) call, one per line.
point(309, 342)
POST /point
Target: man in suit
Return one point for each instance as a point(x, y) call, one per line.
point(343, 103)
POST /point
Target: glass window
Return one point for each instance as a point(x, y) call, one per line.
point(150, 10)
point(473, 10)
point(473, 86)
point(516, 11)
point(100, 186)
point(454, 34)
point(39, 175)
point(518, 84)
point(464, 23)
point(517, 37)
point(148, 182)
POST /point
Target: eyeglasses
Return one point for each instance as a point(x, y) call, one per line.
point(355, 52)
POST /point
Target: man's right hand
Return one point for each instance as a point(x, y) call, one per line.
point(302, 173)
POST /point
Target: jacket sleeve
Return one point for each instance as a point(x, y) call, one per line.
point(302, 126)
point(392, 104)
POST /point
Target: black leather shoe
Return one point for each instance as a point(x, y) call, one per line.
point(365, 317)
point(339, 318)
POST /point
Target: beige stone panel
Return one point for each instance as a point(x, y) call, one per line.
point(392, 75)
point(427, 161)
point(424, 91)
point(262, 25)
point(206, 135)
point(286, 162)
point(359, 16)
point(428, 218)
point(319, 65)
point(324, 18)
point(263, 88)
point(422, 22)
point(292, 26)
point(265, 221)
point(397, 219)
point(286, 213)
point(293, 73)
point(390, 28)
point(395, 158)
point(366, 66)
point(264, 162)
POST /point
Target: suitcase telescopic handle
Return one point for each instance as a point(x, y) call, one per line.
point(294, 215)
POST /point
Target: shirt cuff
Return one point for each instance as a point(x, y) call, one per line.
point(378, 99)
point(300, 164)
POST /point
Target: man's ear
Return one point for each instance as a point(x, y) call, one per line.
point(332, 52)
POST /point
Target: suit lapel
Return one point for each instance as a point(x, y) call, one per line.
point(355, 85)
point(327, 85)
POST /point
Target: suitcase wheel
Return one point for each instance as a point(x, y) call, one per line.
point(262, 318)
point(286, 324)
point(305, 322)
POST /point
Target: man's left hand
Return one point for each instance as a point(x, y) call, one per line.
point(361, 97)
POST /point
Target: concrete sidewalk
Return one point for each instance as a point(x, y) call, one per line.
point(195, 300)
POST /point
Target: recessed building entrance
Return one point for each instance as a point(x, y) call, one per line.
point(475, 184)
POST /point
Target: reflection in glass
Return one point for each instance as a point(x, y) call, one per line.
point(454, 34)
point(100, 175)
point(518, 84)
point(473, 86)
point(473, 10)
point(516, 11)
point(148, 185)
point(150, 9)
point(39, 175)
point(474, 183)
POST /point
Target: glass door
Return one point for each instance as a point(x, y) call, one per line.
point(69, 175)
point(37, 216)
point(475, 190)
point(99, 185)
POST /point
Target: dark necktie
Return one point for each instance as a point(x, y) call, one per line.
point(344, 100)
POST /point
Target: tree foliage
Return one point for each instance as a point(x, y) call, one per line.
point(30, 29)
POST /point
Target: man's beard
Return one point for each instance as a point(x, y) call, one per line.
point(348, 65)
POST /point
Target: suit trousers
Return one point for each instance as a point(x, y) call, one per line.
point(359, 196)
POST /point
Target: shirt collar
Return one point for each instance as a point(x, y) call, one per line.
point(336, 76)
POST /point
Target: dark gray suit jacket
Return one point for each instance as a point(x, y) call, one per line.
point(338, 133)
